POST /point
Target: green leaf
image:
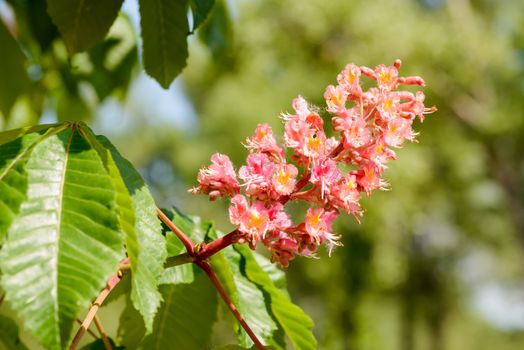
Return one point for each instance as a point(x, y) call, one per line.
point(145, 244)
point(176, 274)
point(15, 146)
point(9, 339)
point(293, 320)
point(65, 242)
point(12, 70)
point(113, 60)
point(131, 328)
point(192, 226)
point(217, 33)
point(200, 10)
point(277, 276)
point(164, 35)
point(186, 318)
point(71, 107)
point(83, 23)
point(245, 295)
point(40, 24)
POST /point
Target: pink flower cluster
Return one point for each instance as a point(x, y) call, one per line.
point(369, 124)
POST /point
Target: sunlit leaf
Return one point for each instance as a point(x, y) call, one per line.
point(65, 242)
point(145, 244)
point(277, 276)
point(15, 148)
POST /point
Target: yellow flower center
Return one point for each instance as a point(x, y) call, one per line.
point(261, 134)
point(351, 77)
point(387, 105)
point(255, 219)
point(379, 149)
point(283, 177)
point(314, 220)
point(314, 143)
point(384, 77)
point(369, 174)
point(336, 100)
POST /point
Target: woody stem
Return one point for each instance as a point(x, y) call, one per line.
point(204, 265)
point(186, 241)
point(199, 258)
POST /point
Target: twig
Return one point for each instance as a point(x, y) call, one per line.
point(217, 245)
point(90, 332)
point(111, 283)
point(2, 297)
point(190, 246)
point(103, 334)
point(204, 265)
point(181, 259)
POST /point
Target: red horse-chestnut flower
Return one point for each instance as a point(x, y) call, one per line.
point(369, 124)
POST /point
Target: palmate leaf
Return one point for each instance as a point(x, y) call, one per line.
point(164, 34)
point(83, 23)
point(70, 203)
point(65, 242)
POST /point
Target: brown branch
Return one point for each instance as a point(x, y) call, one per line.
point(217, 245)
point(2, 297)
point(204, 265)
point(190, 246)
point(90, 332)
point(107, 344)
point(111, 283)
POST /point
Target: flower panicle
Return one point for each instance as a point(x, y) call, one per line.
point(370, 125)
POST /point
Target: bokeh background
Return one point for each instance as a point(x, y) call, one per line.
point(437, 262)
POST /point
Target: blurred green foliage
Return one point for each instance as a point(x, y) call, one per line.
point(414, 273)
